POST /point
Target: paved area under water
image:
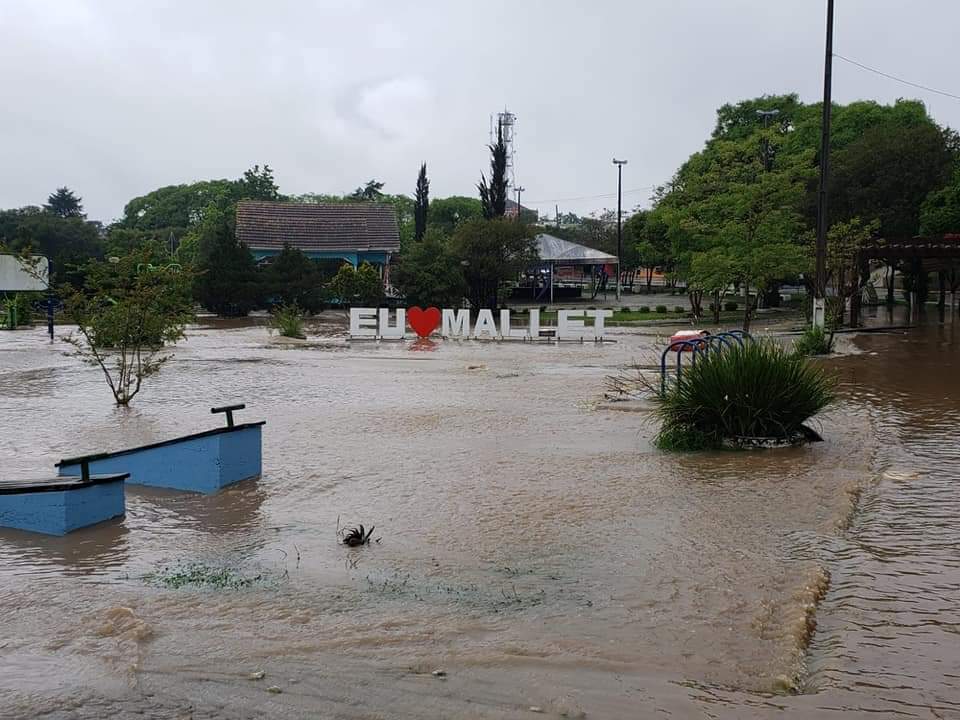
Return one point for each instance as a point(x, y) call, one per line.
point(532, 544)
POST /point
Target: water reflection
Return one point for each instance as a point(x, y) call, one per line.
point(89, 551)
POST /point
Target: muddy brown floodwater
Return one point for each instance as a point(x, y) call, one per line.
point(532, 544)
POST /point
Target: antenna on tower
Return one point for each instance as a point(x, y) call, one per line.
point(508, 122)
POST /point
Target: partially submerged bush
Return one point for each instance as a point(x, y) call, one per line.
point(661, 309)
point(814, 341)
point(732, 393)
point(288, 321)
point(679, 310)
point(645, 308)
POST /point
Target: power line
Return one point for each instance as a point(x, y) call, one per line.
point(895, 78)
point(588, 197)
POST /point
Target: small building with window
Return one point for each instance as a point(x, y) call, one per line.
point(352, 232)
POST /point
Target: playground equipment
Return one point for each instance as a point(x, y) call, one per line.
point(696, 343)
point(57, 506)
point(203, 462)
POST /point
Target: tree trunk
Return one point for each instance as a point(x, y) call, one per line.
point(942, 300)
point(747, 308)
point(716, 307)
point(891, 281)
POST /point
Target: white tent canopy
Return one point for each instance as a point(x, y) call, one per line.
point(563, 252)
point(555, 251)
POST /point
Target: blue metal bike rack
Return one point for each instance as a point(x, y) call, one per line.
point(699, 346)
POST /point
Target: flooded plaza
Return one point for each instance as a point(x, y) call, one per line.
point(531, 544)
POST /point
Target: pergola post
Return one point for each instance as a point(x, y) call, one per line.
point(553, 267)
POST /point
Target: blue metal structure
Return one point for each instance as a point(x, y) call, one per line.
point(699, 346)
point(204, 462)
point(57, 506)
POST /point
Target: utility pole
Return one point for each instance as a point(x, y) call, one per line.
point(820, 279)
point(619, 164)
point(519, 190)
point(556, 215)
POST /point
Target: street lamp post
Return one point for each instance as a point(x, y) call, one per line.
point(519, 190)
point(619, 164)
point(767, 115)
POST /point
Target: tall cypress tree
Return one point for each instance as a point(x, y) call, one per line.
point(421, 204)
point(494, 195)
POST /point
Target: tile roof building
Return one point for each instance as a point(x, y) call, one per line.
point(355, 232)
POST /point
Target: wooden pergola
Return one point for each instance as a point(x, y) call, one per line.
point(933, 253)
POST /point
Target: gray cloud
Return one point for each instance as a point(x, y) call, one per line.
point(117, 98)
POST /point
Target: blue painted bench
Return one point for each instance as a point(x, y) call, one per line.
point(57, 506)
point(204, 462)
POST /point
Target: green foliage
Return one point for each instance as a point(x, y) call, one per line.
point(67, 242)
point(183, 206)
point(421, 206)
point(730, 306)
point(814, 341)
point(127, 315)
point(202, 576)
point(493, 197)
point(447, 213)
point(757, 390)
point(371, 192)
point(429, 274)
point(288, 321)
point(357, 287)
point(887, 173)
point(64, 204)
point(940, 212)
point(680, 310)
point(15, 310)
point(227, 283)
point(491, 253)
point(661, 309)
point(291, 278)
point(644, 309)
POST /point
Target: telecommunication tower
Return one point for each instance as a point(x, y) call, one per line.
point(508, 122)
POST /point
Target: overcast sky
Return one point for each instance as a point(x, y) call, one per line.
point(115, 99)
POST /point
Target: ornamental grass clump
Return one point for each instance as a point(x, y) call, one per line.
point(288, 321)
point(736, 394)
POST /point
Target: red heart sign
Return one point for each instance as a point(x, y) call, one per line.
point(423, 322)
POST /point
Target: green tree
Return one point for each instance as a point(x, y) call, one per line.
point(63, 203)
point(67, 242)
point(940, 212)
point(447, 213)
point(127, 316)
point(292, 279)
point(421, 204)
point(257, 184)
point(228, 283)
point(887, 173)
point(360, 286)
point(845, 278)
point(429, 273)
point(494, 196)
point(646, 231)
point(491, 253)
point(370, 192)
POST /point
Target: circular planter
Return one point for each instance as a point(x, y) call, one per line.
point(742, 442)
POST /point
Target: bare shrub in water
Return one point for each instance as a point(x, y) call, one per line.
point(754, 391)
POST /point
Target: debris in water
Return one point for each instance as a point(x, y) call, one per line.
point(356, 536)
point(274, 689)
point(536, 709)
point(258, 675)
point(439, 673)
